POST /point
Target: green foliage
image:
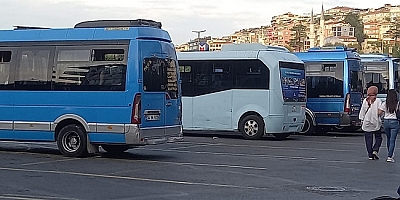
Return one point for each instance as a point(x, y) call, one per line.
point(354, 20)
point(386, 49)
point(289, 48)
point(299, 34)
point(328, 17)
point(394, 31)
point(396, 51)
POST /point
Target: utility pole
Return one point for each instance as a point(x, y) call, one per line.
point(198, 37)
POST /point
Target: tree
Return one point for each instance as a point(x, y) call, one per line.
point(354, 20)
point(299, 34)
point(289, 48)
point(394, 30)
point(396, 51)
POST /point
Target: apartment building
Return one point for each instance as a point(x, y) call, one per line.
point(328, 25)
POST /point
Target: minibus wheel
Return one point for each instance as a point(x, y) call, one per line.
point(252, 127)
point(308, 127)
point(115, 149)
point(72, 141)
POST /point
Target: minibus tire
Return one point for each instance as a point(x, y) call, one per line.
point(72, 141)
point(309, 125)
point(249, 124)
point(114, 149)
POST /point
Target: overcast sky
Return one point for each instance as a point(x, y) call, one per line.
point(179, 17)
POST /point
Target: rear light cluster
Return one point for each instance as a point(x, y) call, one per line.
point(347, 105)
point(136, 117)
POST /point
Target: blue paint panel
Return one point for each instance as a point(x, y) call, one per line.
point(6, 113)
point(102, 107)
point(6, 135)
point(51, 35)
point(34, 135)
point(19, 35)
point(36, 113)
point(326, 120)
point(107, 138)
point(82, 34)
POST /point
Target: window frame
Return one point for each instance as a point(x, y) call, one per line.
point(12, 65)
point(50, 64)
point(90, 62)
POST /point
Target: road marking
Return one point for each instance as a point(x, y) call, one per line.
point(204, 164)
point(237, 154)
point(131, 178)
point(280, 157)
point(30, 197)
point(46, 162)
point(269, 147)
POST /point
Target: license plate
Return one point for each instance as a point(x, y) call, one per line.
point(152, 117)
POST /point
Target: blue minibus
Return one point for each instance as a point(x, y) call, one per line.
point(108, 83)
point(334, 88)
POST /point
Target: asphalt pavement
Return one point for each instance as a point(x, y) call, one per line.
point(203, 166)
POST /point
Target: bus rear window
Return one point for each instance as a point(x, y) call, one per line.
point(160, 75)
point(377, 74)
point(324, 79)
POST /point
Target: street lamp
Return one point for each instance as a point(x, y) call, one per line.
point(198, 37)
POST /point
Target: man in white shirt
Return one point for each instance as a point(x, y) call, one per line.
point(371, 122)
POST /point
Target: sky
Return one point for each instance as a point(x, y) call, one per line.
point(179, 17)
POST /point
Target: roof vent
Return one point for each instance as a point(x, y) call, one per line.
point(252, 47)
point(332, 48)
point(118, 23)
point(27, 27)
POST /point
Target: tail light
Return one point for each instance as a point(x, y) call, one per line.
point(347, 108)
point(136, 110)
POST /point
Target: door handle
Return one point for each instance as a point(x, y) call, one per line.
point(168, 104)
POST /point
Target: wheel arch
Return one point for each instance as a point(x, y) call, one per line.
point(68, 119)
point(247, 114)
point(310, 113)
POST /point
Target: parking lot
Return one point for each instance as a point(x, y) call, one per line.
point(203, 166)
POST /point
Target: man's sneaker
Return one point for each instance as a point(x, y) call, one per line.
point(375, 154)
point(370, 158)
point(389, 159)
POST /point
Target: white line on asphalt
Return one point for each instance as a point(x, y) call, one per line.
point(46, 162)
point(267, 147)
point(30, 197)
point(203, 164)
point(258, 155)
point(131, 178)
point(238, 154)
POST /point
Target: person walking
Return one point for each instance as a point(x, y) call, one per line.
point(371, 122)
point(390, 121)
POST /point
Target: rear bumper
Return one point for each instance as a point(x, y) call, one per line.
point(349, 120)
point(154, 135)
point(280, 124)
